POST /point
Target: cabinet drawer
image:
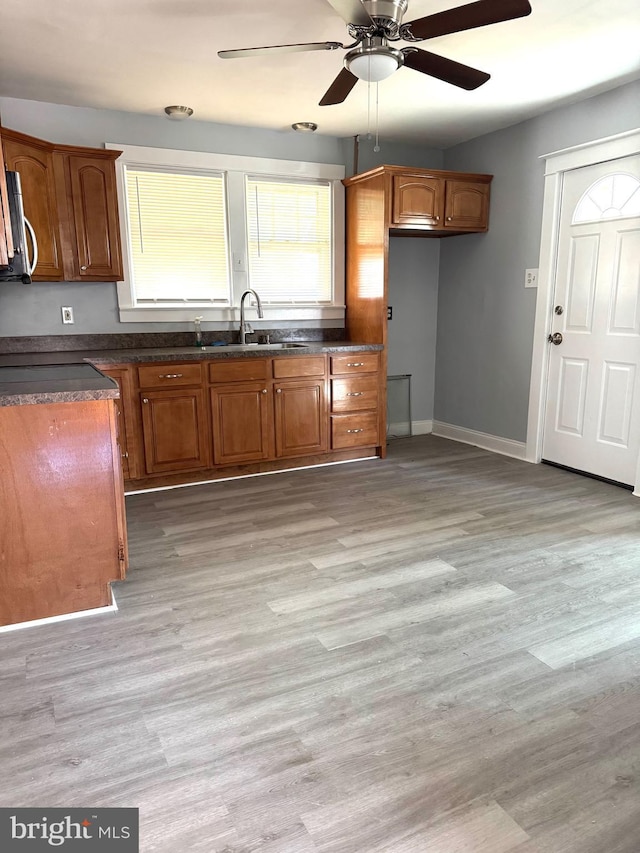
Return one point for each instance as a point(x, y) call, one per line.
point(354, 393)
point(169, 375)
point(356, 362)
point(233, 371)
point(285, 368)
point(354, 430)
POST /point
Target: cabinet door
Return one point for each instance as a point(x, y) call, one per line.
point(241, 421)
point(417, 200)
point(466, 206)
point(34, 162)
point(95, 224)
point(174, 430)
point(300, 418)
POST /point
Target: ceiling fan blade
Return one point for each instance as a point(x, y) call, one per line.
point(352, 11)
point(444, 69)
point(243, 52)
point(478, 14)
point(339, 89)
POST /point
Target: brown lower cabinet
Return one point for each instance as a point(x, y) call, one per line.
point(300, 418)
point(174, 428)
point(189, 416)
point(241, 419)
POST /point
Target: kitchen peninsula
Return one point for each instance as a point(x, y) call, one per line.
point(62, 527)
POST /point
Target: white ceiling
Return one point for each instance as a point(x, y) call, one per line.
point(140, 55)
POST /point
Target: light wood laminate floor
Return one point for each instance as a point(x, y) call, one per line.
point(435, 653)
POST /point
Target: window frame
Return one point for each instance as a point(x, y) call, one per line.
point(234, 168)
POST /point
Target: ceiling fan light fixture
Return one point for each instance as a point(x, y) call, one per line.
point(304, 126)
point(373, 62)
point(178, 113)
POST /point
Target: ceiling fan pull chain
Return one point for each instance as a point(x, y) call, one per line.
point(376, 147)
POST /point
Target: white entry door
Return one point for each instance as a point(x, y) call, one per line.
point(592, 419)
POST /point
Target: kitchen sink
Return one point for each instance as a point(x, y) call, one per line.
point(248, 347)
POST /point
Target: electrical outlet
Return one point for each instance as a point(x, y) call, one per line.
point(531, 278)
point(67, 314)
point(389, 312)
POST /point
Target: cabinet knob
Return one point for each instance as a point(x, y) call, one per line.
point(264, 391)
point(449, 218)
point(125, 455)
point(83, 268)
point(437, 219)
point(145, 399)
point(278, 390)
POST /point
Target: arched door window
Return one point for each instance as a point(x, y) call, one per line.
point(613, 197)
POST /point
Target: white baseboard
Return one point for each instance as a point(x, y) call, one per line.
point(504, 446)
point(65, 617)
point(401, 430)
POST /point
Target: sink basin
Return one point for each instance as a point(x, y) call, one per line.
point(248, 347)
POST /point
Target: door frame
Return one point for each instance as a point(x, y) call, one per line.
point(557, 164)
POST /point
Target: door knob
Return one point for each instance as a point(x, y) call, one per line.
point(555, 339)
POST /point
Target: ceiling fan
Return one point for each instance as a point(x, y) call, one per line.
point(373, 24)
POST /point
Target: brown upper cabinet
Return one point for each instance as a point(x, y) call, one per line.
point(439, 204)
point(33, 160)
point(69, 195)
point(431, 202)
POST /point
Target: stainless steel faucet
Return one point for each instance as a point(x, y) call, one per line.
point(245, 328)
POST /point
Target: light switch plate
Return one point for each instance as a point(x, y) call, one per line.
point(531, 278)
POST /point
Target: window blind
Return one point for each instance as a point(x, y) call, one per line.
point(178, 237)
point(289, 227)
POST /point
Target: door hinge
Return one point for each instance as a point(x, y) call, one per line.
point(121, 557)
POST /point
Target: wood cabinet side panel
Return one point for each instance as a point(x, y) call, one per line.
point(6, 236)
point(59, 528)
point(367, 260)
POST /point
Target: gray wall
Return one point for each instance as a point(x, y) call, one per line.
point(35, 309)
point(485, 315)
point(413, 295)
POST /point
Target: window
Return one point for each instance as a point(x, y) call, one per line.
point(612, 197)
point(199, 229)
point(289, 225)
point(177, 238)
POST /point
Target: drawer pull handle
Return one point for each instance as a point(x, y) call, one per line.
point(355, 430)
point(170, 376)
point(355, 393)
point(355, 364)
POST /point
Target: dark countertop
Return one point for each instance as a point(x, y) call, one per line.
point(50, 383)
point(68, 376)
